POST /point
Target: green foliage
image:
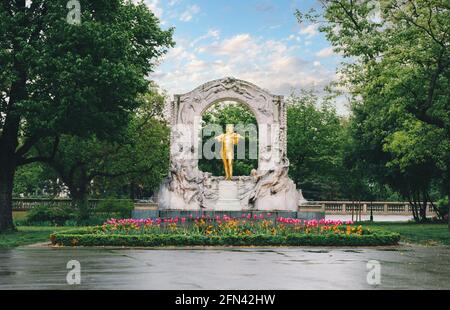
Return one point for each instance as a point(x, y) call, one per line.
point(443, 207)
point(26, 235)
point(88, 238)
point(93, 220)
point(51, 215)
point(27, 180)
point(64, 216)
point(121, 207)
point(315, 146)
point(60, 80)
point(136, 159)
point(319, 141)
point(37, 180)
point(427, 234)
point(81, 79)
point(55, 215)
point(223, 114)
point(396, 68)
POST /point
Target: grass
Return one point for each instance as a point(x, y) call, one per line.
point(426, 234)
point(19, 215)
point(27, 235)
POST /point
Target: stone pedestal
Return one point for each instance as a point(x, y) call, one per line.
point(228, 197)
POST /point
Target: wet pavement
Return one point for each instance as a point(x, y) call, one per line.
point(402, 267)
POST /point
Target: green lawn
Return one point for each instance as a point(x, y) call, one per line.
point(27, 235)
point(428, 234)
point(19, 215)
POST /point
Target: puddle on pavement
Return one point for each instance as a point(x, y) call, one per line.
point(317, 251)
point(393, 250)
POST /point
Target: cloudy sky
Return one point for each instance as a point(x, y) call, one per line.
point(255, 40)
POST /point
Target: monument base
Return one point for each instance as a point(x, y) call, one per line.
point(228, 197)
point(270, 190)
point(144, 214)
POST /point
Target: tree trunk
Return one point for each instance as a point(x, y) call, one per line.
point(7, 171)
point(132, 191)
point(78, 184)
point(423, 213)
point(448, 197)
point(8, 144)
point(448, 215)
point(447, 190)
point(415, 206)
point(414, 211)
point(80, 202)
point(423, 208)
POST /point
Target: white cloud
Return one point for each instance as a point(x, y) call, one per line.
point(326, 52)
point(235, 45)
point(174, 2)
point(211, 34)
point(293, 37)
point(154, 6)
point(276, 65)
point(190, 12)
point(196, 65)
point(310, 30)
point(178, 53)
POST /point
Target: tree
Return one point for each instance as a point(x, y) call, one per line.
point(397, 71)
point(397, 150)
point(315, 146)
point(143, 161)
point(36, 180)
point(59, 79)
point(415, 153)
point(148, 147)
point(142, 150)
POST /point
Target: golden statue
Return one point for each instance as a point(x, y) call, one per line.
point(229, 139)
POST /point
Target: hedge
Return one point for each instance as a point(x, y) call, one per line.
point(88, 238)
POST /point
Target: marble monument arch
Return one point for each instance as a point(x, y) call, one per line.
point(267, 188)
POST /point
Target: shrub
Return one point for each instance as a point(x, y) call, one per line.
point(92, 237)
point(66, 215)
point(443, 207)
point(201, 240)
point(55, 215)
point(93, 220)
point(122, 207)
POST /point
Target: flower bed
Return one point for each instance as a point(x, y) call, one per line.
point(205, 231)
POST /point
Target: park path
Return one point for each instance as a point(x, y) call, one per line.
point(402, 267)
